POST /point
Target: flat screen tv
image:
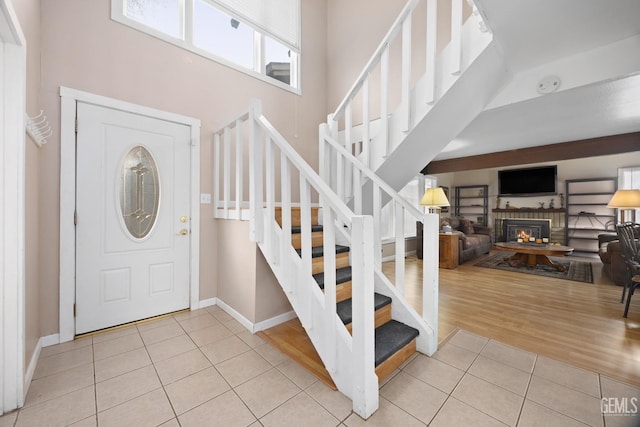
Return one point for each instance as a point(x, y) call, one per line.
point(537, 181)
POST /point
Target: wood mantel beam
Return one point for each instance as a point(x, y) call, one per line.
point(601, 146)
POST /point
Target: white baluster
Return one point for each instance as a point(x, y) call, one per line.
point(366, 143)
point(456, 36)
point(432, 31)
point(285, 240)
point(400, 250)
point(227, 170)
point(329, 243)
point(384, 101)
point(406, 74)
point(256, 224)
point(216, 173)
point(430, 260)
point(270, 196)
point(239, 159)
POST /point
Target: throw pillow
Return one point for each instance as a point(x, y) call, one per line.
point(466, 226)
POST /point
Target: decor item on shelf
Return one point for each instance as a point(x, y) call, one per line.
point(551, 204)
point(434, 199)
point(497, 202)
point(561, 200)
point(626, 200)
point(541, 205)
point(507, 205)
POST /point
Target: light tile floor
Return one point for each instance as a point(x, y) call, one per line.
point(203, 368)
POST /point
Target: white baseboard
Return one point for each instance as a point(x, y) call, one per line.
point(207, 302)
point(50, 340)
point(255, 327)
point(233, 313)
point(31, 367)
point(274, 321)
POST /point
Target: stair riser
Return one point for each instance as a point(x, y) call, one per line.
point(383, 315)
point(295, 216)
point(316, 239)
point(343, 291)
point(385, 369)
point(342, 260)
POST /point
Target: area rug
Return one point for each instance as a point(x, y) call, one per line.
point(577, 271)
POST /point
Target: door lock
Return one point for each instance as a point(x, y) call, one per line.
point(184, 218)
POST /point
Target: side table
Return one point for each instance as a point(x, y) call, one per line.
point(448, 250)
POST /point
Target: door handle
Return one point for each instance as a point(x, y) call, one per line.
point(183, 232)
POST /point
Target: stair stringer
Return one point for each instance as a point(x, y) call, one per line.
point(462, 103)
point(307, 300)
point(403, 312)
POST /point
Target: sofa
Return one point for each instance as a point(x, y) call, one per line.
point(610, 252)
point(474, 239)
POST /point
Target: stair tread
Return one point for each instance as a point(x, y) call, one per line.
point(318, 251)
point(345, 312)
point(391, 337)
point(342, 275)
point(296, 229)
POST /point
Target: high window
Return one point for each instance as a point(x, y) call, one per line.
point(258, 37)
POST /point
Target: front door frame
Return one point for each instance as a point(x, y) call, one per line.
point(13, 74)
point(69, 99)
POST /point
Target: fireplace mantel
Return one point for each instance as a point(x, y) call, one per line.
point(516, 210)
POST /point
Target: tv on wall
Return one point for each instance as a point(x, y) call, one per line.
point(537, 181)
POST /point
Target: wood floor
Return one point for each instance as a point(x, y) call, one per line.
point(577, 323)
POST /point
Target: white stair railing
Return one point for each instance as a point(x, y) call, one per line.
point(332, 151)
point(348, 358)
point(379, 132)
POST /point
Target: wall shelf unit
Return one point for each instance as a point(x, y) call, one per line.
point(471, 201)
point(587, 212)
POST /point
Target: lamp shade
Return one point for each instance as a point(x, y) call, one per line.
point(434, 197)
point(625, 199)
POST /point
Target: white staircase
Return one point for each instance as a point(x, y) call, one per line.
point(389, 151)
point(351, 359)
point(454, 88)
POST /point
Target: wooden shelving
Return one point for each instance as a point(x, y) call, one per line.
point(471, 201)
point(587, 212)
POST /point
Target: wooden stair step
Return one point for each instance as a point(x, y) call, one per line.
point(395, 343)
point(318, 251)
point(316, 239)
point(295, 216)
point(292, 339)
point(345, 309)
point(343, 283)
point(342, 275)
point(298, 229)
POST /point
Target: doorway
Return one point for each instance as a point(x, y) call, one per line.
point(134, 252)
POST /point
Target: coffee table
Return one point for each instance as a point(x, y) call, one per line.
point(533, 254)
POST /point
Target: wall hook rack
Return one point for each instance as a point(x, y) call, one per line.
point(38, 128)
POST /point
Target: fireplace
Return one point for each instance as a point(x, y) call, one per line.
point(525, 229)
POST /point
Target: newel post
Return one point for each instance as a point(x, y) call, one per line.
point(430, 278)
point(256, 225)
point(365, 381)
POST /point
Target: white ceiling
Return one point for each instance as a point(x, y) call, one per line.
point(555, 29)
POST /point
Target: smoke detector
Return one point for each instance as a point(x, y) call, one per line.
point(548, 85)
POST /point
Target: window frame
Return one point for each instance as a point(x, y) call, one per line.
point(186, 42)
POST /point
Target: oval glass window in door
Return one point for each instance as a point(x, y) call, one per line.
point(139, 192)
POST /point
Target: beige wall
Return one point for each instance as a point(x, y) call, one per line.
point(84, 49)
point(245, 280)
point(28, 13)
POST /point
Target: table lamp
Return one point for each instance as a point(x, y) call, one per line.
point(626, 200)
point(434, 199)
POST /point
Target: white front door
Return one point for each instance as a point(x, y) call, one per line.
point(133, 215)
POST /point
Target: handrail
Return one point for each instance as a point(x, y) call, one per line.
point(310, 175)
point(375, 58)
point(415, 212)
